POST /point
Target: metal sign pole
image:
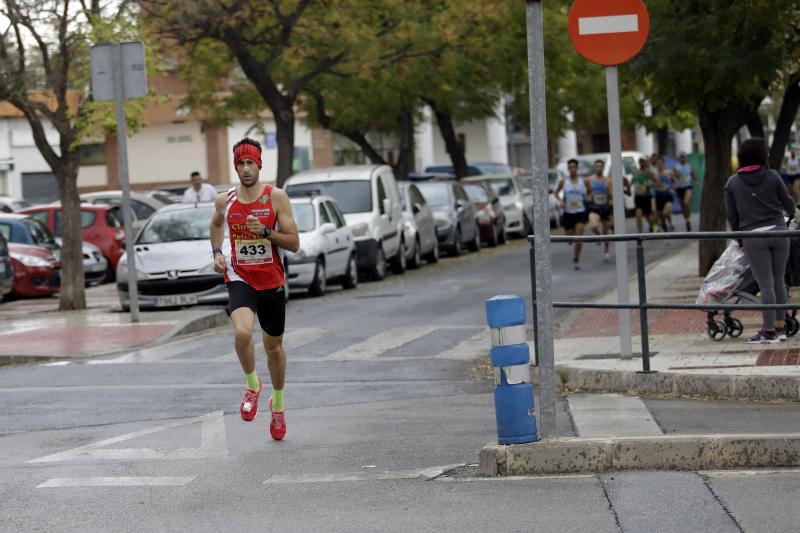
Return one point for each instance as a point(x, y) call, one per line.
point(541, 221)
point(620, 248)
point(122, 144)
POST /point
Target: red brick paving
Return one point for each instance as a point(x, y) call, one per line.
point(787, 357)
point(605, 323)
point(71, 341)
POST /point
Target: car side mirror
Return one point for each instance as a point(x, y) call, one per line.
point(416, 208)
point(460, 204)
point(327, 227)
point(386, 206)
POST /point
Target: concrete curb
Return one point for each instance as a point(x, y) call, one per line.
point(688, 452)
point(711, 386)
point(207, 320)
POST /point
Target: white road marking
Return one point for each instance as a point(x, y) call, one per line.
point(372, 347)
point(475, 346)
point(116, 482)
point(56, 363)
point(757, 472)
point(611, 415)
point(425, 474)
point(614, 24)
point(301, 336)
point(213, 443)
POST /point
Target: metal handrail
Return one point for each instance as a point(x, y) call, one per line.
point(643, 305)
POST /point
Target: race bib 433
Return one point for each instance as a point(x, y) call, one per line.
point(253, 252)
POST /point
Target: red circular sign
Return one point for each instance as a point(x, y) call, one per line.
point(608, 32)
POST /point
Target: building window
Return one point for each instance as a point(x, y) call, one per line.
point(92, 154)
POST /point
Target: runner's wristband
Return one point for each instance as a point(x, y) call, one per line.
point(215, 250)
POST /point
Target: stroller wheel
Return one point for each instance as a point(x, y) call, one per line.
point(734, 327)
point(792, 326)
point(716, 330)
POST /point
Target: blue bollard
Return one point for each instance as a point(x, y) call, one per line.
point(510, 356)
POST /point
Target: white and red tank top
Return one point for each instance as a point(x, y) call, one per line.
point(254, 260)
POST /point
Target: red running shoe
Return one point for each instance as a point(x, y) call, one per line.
point(277, 427)
point(249, 406)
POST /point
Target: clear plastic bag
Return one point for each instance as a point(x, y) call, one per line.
point(729, 273)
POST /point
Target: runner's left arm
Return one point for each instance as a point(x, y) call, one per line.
point(287, 237)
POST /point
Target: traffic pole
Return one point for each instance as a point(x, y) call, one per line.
point(122, 144)
point(543, 301)
point(620, 248)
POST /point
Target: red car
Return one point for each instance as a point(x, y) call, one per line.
point(37, 271)
point(102, 226)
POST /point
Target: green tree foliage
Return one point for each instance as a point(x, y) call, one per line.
point(44, 73)
point(718, 59)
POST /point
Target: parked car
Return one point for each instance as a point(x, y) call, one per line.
point(419, 227)
point(453, 214)
point(23, 228)
point(95, 265)
point(9, 204)
point(6, 269)
point(474, 169)
point(102, 226)
point(553, 206)
point(491, 218)
point(516, 200)
point(142, 205)
point(173, 262)
point(630, 165)
point(327, 249)
point(369, 198)
point(37, 270)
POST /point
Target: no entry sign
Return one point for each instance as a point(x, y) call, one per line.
point(608, 32)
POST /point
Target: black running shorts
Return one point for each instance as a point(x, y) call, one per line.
point(645, 203)
point(603, 211)
point(681, 191)
point(269, 305)
point(662, 199)
point(570, 220)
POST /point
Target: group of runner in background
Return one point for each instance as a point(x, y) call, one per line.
point(588, 200)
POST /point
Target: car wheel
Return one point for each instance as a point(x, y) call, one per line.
point(527, 228)
point(378, 270)
point(350, 280)
point(320, 283)
point(456, 249)
point(433, 256)
point(475, 244)
point(416, 258)
point(110, 276)
point(399, 263)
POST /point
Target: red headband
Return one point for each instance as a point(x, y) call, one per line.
point(246, 151)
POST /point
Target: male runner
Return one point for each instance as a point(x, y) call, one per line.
point(684, 178)
point(255, 275)
point(644, 181)
point(574, 205)
point(665, 182)
point(600, 211)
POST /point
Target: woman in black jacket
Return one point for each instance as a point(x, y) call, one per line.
point(757, 200)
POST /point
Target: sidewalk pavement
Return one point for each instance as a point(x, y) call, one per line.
point(685, 360)
point(34, 330)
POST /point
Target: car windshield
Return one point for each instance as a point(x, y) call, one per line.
point(502, 187)
point(303, 216)
point(39, 232)
point(435, 194)
point(353, 196)
point(18, 205)
point(180, 225)
point(477, 193)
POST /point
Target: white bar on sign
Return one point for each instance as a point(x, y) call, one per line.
point(615, 24)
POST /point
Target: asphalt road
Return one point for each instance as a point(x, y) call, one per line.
point(385, 392)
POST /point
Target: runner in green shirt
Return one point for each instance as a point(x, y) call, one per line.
point(643, 183)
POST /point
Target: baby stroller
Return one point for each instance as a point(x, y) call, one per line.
point(730, 281)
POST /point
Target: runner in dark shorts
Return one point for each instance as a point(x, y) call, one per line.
point(571, 220)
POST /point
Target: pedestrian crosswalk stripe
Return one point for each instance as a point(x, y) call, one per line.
point(213, 443)
point(173, 481)
point(372, 347)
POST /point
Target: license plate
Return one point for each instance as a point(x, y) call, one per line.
point(176, 300)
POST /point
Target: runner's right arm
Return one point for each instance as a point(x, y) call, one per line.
point(218, 232)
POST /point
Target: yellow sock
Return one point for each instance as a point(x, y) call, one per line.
point(252, 380)
point(277, 400)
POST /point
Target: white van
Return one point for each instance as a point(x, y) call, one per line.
point(370, 201)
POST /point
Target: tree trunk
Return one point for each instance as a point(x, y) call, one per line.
point(405, 159)
point(361, 140)
point(454, 148)
point(791, 101)
point(284, 123)
point(72, 292)
point(755, 125)
point(718, 131)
